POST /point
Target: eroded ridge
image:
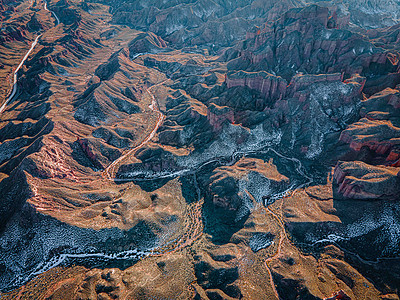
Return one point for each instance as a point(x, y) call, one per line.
point(199, 149)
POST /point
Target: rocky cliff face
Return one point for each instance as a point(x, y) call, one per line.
point(301, 41)
point(269, 86)
point(357, 180)
point(188, 23)
point(208, 150)
point(375, 139)
point(373, 13)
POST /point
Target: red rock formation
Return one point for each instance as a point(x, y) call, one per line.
point(378, 135)
point(86, 148)
point(301, 41)
point(340, 295)
point(270, 86)
point(379, 129)
point(358, 180)
point(299, 91)
point(218, 115)
point(253, 32)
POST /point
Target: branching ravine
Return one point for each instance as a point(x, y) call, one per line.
point(110, 171)
point(193, 224)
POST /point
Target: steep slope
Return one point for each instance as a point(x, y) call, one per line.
point(196, 23)
point(136, 163)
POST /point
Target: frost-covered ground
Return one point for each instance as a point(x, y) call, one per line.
point(376, 232)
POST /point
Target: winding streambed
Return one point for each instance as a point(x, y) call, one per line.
point(15, 76)
point(194, 226)
point(52, 12)
point(192, 230)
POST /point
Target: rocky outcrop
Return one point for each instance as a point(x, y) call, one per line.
point(15, 191)
point(379, 129)
point(300, 41)
point(87, 149)
point(218, 115)
point(186, 123)
point(119, 148)
point(107, 70)
point(340, 295)
point(34, 24)
point(387, 102)
point(113, 138)
point(153, 161)
point(358, 180)
point(234, 190)
point(191, 70)
point(67, 13)
point(99, 104)
point(379, 136)
point(146, 43)
point(270, 86)
point(15, 129)
point(314, 106)
point(210, 23)
point(13, 33)
point(371, 14)
point(216, 275)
